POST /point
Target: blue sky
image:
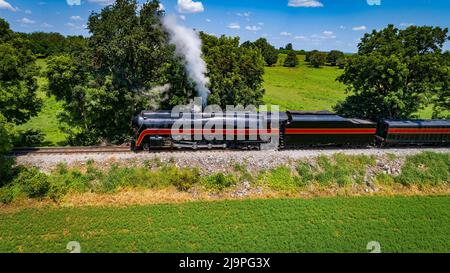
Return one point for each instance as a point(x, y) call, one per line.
point(308, 24)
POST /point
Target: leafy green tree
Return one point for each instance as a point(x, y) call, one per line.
point(269, 52)
point(289, 46)
point(442, 100)
point(5, 31)
point(333, 57)
point(126, 66)
point(235, 72)
point(309, 53)
point(18, 100)
point(126, 57)
point(317, 59)
point(5, 135)
point(341, 62)
point(394, 73)
point(291, 59)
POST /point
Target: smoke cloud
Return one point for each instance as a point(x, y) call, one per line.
point(189, 46)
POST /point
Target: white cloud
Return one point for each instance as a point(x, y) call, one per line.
point(189, 6)
point(342, 27)
point(260, 24)
point(182, 17)
point(284, 33)
point(102, 2)
point(208, 20)
point(46, 25)
point(359, 28)
point(406, 24)
point(234, 26)
point(161, 6)
point(245, 14)
point(71, 25)
point(73, 2)
point(305, 3)
point(28, 11)
point(300, 37)
point(252, 28)
point(27, 21)
point(6, 5)
point(374, 2)
point(76, 18)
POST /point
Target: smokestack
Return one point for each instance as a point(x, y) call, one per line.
point(189, 46)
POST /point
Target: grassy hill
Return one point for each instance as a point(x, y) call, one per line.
point(308, 88)
point(303, 87)
point(46, 120)
point(399, 224)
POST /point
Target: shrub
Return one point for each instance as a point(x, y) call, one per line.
point(291, 59)
point(29, 138)
point(317, 59)
point(34, 183)
point(281, 179)
point(305, 173)
point(6, 195)
point(7, 171)
point(219, 181)
point(344, 170)
point(425, 168)
point(182, 179)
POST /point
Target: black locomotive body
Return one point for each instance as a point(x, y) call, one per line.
point(294, 129)
point(234, 130)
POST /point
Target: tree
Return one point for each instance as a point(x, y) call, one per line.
point(235, 72)
point(5, 136)
point(341, 62)
point(18, 100)
point(269, 52)
point(333, 57)
point(394, 72)
point(442, 100)
point(5, 31)
point(289, 47)
point(127, 56)
point(309, 53)
point(317, 59)
point(291, 59)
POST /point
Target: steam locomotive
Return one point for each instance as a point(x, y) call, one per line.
point(293, 130)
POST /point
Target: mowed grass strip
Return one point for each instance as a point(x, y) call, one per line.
point(399, 224)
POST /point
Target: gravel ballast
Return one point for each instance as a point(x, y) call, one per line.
point(208, 161)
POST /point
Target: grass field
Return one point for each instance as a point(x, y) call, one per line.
point(303, 87)
point(399, 224)
point(308, 88)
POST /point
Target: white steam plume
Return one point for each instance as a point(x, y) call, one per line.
point(189, 46)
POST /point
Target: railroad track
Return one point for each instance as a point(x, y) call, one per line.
point(126, 149)
point(70, 150)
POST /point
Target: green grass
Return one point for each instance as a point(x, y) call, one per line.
point(399, 224)
point(425, 170)
point(303, 87)
point(308, 88)
point(46, 120)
